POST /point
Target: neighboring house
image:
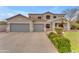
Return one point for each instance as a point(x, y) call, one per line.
point(3, 26)
point(36, 22)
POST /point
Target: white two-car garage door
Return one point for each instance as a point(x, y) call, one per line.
point(38, 27)
point(19, 27)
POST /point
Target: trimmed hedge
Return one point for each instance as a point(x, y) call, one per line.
point(59, 30)
point(52, 35)
point(60, 42)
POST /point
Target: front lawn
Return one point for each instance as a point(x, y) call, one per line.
point(74, 39)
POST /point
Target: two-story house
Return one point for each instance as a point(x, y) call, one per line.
point(36, 22)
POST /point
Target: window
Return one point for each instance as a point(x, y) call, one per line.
point(54, 16)
point(47, 25)
point(48, 17)
point(39, 17)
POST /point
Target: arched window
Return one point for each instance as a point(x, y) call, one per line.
point(47, 16)
point(54, 16)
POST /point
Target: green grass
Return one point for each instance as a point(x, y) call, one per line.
point(74, 39)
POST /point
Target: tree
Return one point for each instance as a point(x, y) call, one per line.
point(71, 13)
point(77, 19)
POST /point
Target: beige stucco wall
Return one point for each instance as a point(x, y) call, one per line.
point(36, 16)
point(51, 21)
point(19, 19)
point(43, 16)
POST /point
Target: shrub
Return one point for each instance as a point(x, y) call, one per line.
point(52, 35)
point(62, 44)
point(77, 21)
point(75, 26)
point(59, 30)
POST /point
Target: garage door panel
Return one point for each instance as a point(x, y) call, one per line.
point(38, 27)
point(19, 27)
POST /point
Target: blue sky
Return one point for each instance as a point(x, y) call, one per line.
point(8, 11)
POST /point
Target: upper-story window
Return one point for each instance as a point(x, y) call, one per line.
point(54, 17)
point(47, 16)
point(39, 17)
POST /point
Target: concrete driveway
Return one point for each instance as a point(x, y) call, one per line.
point(32, 42)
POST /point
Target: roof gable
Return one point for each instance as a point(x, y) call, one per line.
point(48, 12)
point(18, 18)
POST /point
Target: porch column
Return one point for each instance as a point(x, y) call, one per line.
point(8, 27)
point(31, 27)
point(44, 27)
point(53, 26)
